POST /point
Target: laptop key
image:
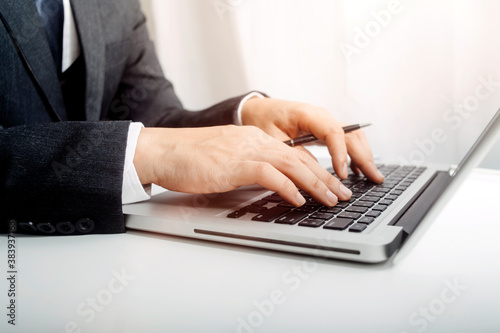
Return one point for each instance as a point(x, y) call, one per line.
point(285, 204)
point(322, 216)
point(349, 215)
point(359, 188)
point(342, 204)
point(370, 198)
point(376, 194)
point(255, 209)
point(381, 190)
point(379, 207)
point(315, 206)
point(349, 182)
point(385, 202)
point(238, 213)
point(312, 223)
point(373, 213)
point(334, 210)
point(390, 197)
point(309, 209)
point(366, 220)
point(358, 227)
point(271, 214)
point(338, 224)
point(291, 217)
point(356, 209)
point(363, 203)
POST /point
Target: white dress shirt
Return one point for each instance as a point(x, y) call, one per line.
point(132, 189)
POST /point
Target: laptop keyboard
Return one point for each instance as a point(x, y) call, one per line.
point(368, 201)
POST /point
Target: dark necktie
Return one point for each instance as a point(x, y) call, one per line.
point(73, 79)
point(52, 15)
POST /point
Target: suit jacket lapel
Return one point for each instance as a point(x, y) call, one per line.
point(26, 25)
point(88, 22)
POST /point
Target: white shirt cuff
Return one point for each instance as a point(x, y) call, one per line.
point(132, 189)
point(238, 120)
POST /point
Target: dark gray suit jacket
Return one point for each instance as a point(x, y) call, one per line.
point(66, 177)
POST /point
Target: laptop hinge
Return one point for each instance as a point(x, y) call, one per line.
point(420, 204)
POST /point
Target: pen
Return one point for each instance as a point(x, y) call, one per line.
point(310, 138)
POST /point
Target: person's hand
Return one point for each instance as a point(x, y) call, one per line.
point(222, 158)
point(285, 120)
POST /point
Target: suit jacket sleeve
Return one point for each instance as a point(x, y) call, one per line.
point(63, 178)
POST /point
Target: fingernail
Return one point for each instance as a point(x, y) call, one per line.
point(380, 174)
point(332, 199)
point(345, 171)
point(345, 191)
point(300, 199)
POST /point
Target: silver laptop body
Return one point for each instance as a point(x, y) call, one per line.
point(205, 216)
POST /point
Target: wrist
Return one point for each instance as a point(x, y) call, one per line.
point(142, 156)
point(249, 108)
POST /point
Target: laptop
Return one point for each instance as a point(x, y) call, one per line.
point(369, 228)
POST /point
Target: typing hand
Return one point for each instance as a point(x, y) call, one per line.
point(222, 158)
point(285, 120)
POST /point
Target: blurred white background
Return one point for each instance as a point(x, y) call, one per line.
point(418, 69)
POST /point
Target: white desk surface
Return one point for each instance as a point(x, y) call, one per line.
point(183, 285)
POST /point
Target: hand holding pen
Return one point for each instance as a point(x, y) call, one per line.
point(310, 138)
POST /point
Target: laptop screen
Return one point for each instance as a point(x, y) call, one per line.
point(482, 146)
